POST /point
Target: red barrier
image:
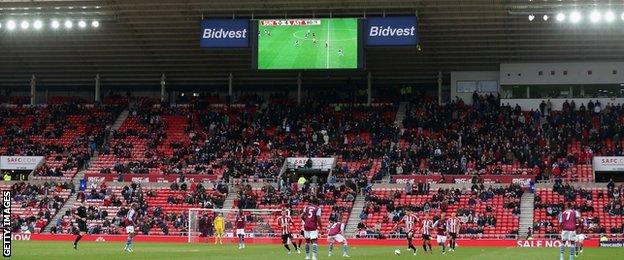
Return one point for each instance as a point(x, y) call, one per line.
point(519, 179)
point(140, 178)
point(353, 241)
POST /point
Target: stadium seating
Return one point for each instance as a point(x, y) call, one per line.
point(34, 205)
point(594, 222)
point(378, 215)
point(335, 203)
point(61, 133)
point(165, 209)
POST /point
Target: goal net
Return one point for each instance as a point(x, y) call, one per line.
point(259, 223)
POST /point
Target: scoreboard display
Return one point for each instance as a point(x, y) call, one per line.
point(331, 43)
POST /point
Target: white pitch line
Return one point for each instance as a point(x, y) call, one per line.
point(328, 42)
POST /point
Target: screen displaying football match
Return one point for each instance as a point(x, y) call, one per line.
point(308, 44)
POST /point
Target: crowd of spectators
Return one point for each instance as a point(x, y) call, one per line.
point(39, 203)
point(582, 201)
point(66, 134)
point(251, 140)
point(440, 202)
point(461, 139)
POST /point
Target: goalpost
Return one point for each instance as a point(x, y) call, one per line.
point(259, 223)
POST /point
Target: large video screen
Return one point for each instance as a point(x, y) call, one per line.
point(308, 44)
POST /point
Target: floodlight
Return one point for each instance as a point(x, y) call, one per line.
point(595, 16)
point(560, 17)
point(609, 16)
point(82, 24)
point(37, 24)
point(531, 17)
point(11, 25)
point(55, 24)
point(95, 24)
point(575, 17)
point(69, 24)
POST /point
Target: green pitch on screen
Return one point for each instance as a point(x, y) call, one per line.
point(286, 46)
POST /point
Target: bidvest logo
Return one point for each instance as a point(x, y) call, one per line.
point(381, 31)
point(224, 33)
point(385, 31)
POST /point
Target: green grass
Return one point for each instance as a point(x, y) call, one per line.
point(278, 51)
point(109, 250)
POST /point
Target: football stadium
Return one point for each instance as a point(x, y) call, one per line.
point(402, 129)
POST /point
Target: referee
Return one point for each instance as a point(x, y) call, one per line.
point(81, 220)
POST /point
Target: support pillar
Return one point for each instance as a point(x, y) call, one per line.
point(163, 89)
point(97, 88)
point(440, 88)
point(230, 88)
point(369, 89)
point(33, 89)
point(299, 88)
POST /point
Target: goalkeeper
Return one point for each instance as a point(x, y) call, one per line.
point(219, 227)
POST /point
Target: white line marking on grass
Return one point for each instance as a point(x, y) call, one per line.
point(328, 43)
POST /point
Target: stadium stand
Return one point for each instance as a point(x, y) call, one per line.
point(485, 213)
point(600, 208)
point(34, 205)
point(164, 209)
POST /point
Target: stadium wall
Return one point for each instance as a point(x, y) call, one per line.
point(557, 103)
point(470, 76)
point(579, 73)
point(353, 241)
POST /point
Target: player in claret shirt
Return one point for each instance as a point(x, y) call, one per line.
point(130, 220)
point(240, 228)
point(440, 226)
point(311, 217)
point(568, 221)
point(336, 233)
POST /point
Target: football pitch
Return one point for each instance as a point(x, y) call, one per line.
point(332, 44)
point(110, 250)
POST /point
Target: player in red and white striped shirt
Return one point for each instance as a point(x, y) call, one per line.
point(427, 227)
point(286, 223)
point(453, 225)
point(410, 221)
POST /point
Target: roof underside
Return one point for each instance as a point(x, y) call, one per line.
point(141, 39)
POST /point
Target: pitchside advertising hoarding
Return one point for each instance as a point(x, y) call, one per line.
point(224, 33)
point(392, 31)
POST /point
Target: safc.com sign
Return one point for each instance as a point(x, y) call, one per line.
point(19, 162)
point(609, 163)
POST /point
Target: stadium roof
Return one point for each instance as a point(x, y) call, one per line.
point(140, 39)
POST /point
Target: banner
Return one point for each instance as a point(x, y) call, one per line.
point(276, 240)
point(140, 178)
point(609, 163)
point(19, 162)
point(538, 243)
point(319, 163)
point(224, 33)
point(612, 243)
point(523, 180)
point(388, 31)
